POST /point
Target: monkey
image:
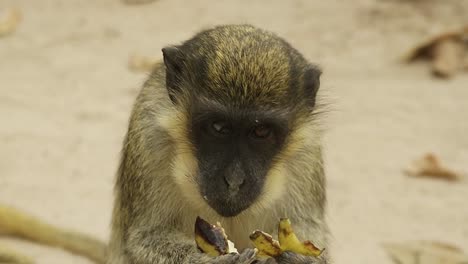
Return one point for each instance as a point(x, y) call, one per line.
point(15, 223)
point(226, 127)
point(9, 256)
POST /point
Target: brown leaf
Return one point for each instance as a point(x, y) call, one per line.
point(137, 63)
point(448, 57)
point(137, 2)
point(429, 166)
point(9, 20)
point(425, 252)
point(445, 51)
point(465, 62)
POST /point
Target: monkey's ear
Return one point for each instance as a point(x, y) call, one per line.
point(174, 61)
point(312, 82)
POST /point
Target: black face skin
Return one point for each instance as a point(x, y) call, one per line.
point(235, 151)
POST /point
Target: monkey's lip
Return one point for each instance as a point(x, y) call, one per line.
point(228, 209)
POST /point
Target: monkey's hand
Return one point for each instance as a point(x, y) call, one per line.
point(289, 257)
point(162, 245)
point(266, 261)
point(247, 256)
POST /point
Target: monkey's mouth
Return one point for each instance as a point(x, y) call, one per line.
point(229, 210)
point(228, 207)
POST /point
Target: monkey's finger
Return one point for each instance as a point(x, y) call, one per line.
point(266, 261)
point(289, 257)
point(247, 256)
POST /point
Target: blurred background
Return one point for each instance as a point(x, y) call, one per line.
point(68, 81)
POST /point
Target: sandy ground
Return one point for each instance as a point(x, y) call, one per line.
point(66, 93)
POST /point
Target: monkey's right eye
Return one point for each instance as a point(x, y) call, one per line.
point(221, 128)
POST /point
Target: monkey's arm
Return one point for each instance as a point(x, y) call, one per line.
point(169, 246)
point(18, 224)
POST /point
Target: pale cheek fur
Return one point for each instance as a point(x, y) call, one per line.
point(184, 175)
point(273, 189)
point(184, 165)
point(277, 179)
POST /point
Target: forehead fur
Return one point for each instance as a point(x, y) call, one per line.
point(241, 65)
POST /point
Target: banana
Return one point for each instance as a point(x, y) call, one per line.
point(265, 244)
point(288, 241)
point(211, 239)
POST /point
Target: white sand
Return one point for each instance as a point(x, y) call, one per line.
point(66, 93)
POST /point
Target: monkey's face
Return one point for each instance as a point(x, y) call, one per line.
point(243, 96)
point(235, 153)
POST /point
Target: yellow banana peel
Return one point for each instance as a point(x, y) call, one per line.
point(211, 239)
point(288, 241)
point(265, 244)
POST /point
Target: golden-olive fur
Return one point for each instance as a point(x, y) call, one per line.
point(19, 224)
point(157, 199)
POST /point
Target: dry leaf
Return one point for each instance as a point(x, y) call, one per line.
point(137, 63)
point(448, 57)
point(429, 166)
point(465, 62)
point(425, 252)
point(137, 2)
point(445, 51)
point(9, 20)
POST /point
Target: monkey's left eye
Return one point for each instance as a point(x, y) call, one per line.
point(262, 132)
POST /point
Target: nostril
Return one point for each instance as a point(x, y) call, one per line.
point(227, 182)
point(241, 183)
point(234, 183)
point(234, 176)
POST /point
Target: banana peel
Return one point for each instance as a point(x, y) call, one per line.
point(265, 244)
point(211, 239)
point(288, 241)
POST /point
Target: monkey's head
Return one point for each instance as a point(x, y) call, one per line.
point(241, 94)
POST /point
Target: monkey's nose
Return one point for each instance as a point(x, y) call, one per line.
point(234, 183)
point(234, 176)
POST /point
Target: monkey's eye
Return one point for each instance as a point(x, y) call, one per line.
point(262, 132)
point(221, 128)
